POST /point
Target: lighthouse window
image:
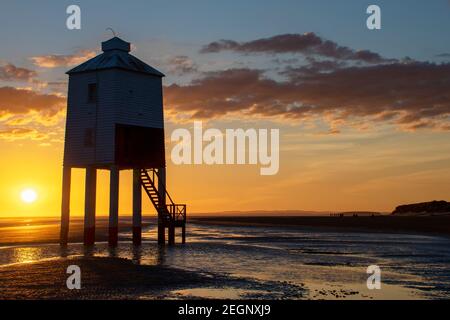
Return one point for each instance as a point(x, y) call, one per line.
point(92, 92)
point(89, 137)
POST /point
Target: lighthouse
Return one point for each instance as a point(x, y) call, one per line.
point(115, 121)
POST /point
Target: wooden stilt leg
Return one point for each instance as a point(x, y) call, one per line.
point(171, 234)
point(113, 206)
point(89, 208)
point(65, 206)
point(137, 208)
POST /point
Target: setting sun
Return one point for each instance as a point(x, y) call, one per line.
point(28, 195)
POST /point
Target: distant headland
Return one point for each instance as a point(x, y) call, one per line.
point(423, 209)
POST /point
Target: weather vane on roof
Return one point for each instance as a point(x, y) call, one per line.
point(111, 29)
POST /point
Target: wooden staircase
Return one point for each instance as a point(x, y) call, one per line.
point(170, 214)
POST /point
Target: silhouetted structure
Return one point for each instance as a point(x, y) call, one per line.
point(423, 208)
point(355, 214)
point(115, 121)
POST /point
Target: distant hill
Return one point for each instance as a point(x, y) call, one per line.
point(424, 208)
point(264, 213)
point(285, 213)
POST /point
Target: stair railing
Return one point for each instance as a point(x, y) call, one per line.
point(177, 211)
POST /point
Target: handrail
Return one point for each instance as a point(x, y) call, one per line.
point(175, 210)
point(163, 185)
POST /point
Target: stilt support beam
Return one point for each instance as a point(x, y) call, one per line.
point(171, 234)
point(89, 207)
point(65, 205)
point(113, 206)
point(162, 203)
point(137, 208)
point(183, 234)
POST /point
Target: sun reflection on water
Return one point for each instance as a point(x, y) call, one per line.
point(27, 254)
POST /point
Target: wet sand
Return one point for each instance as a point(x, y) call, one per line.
point(41, 230)
point(222, 259)
point(107, 278)
point(47, 230)
point(101, 278)
point(433, 225)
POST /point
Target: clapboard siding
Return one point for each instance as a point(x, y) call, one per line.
point(108, 87)
point(123, 97)
point(140, 100)
point(80, 116)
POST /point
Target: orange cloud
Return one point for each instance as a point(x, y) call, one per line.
point(410, 95)
point(10, 72)
point(56, 60)
point(336, 83)
point(33, 117)
point(26, 114)
point(20, 101)
point(14, 134)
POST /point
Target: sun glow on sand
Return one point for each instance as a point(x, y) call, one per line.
point(28, 195)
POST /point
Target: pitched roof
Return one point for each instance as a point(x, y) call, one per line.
point(116, 55)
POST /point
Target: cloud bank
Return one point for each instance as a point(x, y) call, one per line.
point(59, 60)
point(410, 95)
point(308, 44)
point(320, 80)
point(9, 72)
point(26, 114)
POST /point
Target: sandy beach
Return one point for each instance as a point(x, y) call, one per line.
point(46, 230)
point(102, 278)
point(230, 258)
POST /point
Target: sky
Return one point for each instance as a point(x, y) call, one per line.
point(363, 114)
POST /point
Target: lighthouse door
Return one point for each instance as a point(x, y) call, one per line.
point(141, 147)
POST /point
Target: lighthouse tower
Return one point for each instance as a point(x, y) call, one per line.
point(115, 122)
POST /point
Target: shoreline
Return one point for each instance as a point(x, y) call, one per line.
point(425, 225)
point(48, 233)
point(45, 233)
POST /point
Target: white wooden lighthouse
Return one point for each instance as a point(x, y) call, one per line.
point(115, 122)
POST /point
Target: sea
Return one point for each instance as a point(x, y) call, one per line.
point(268, 262)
